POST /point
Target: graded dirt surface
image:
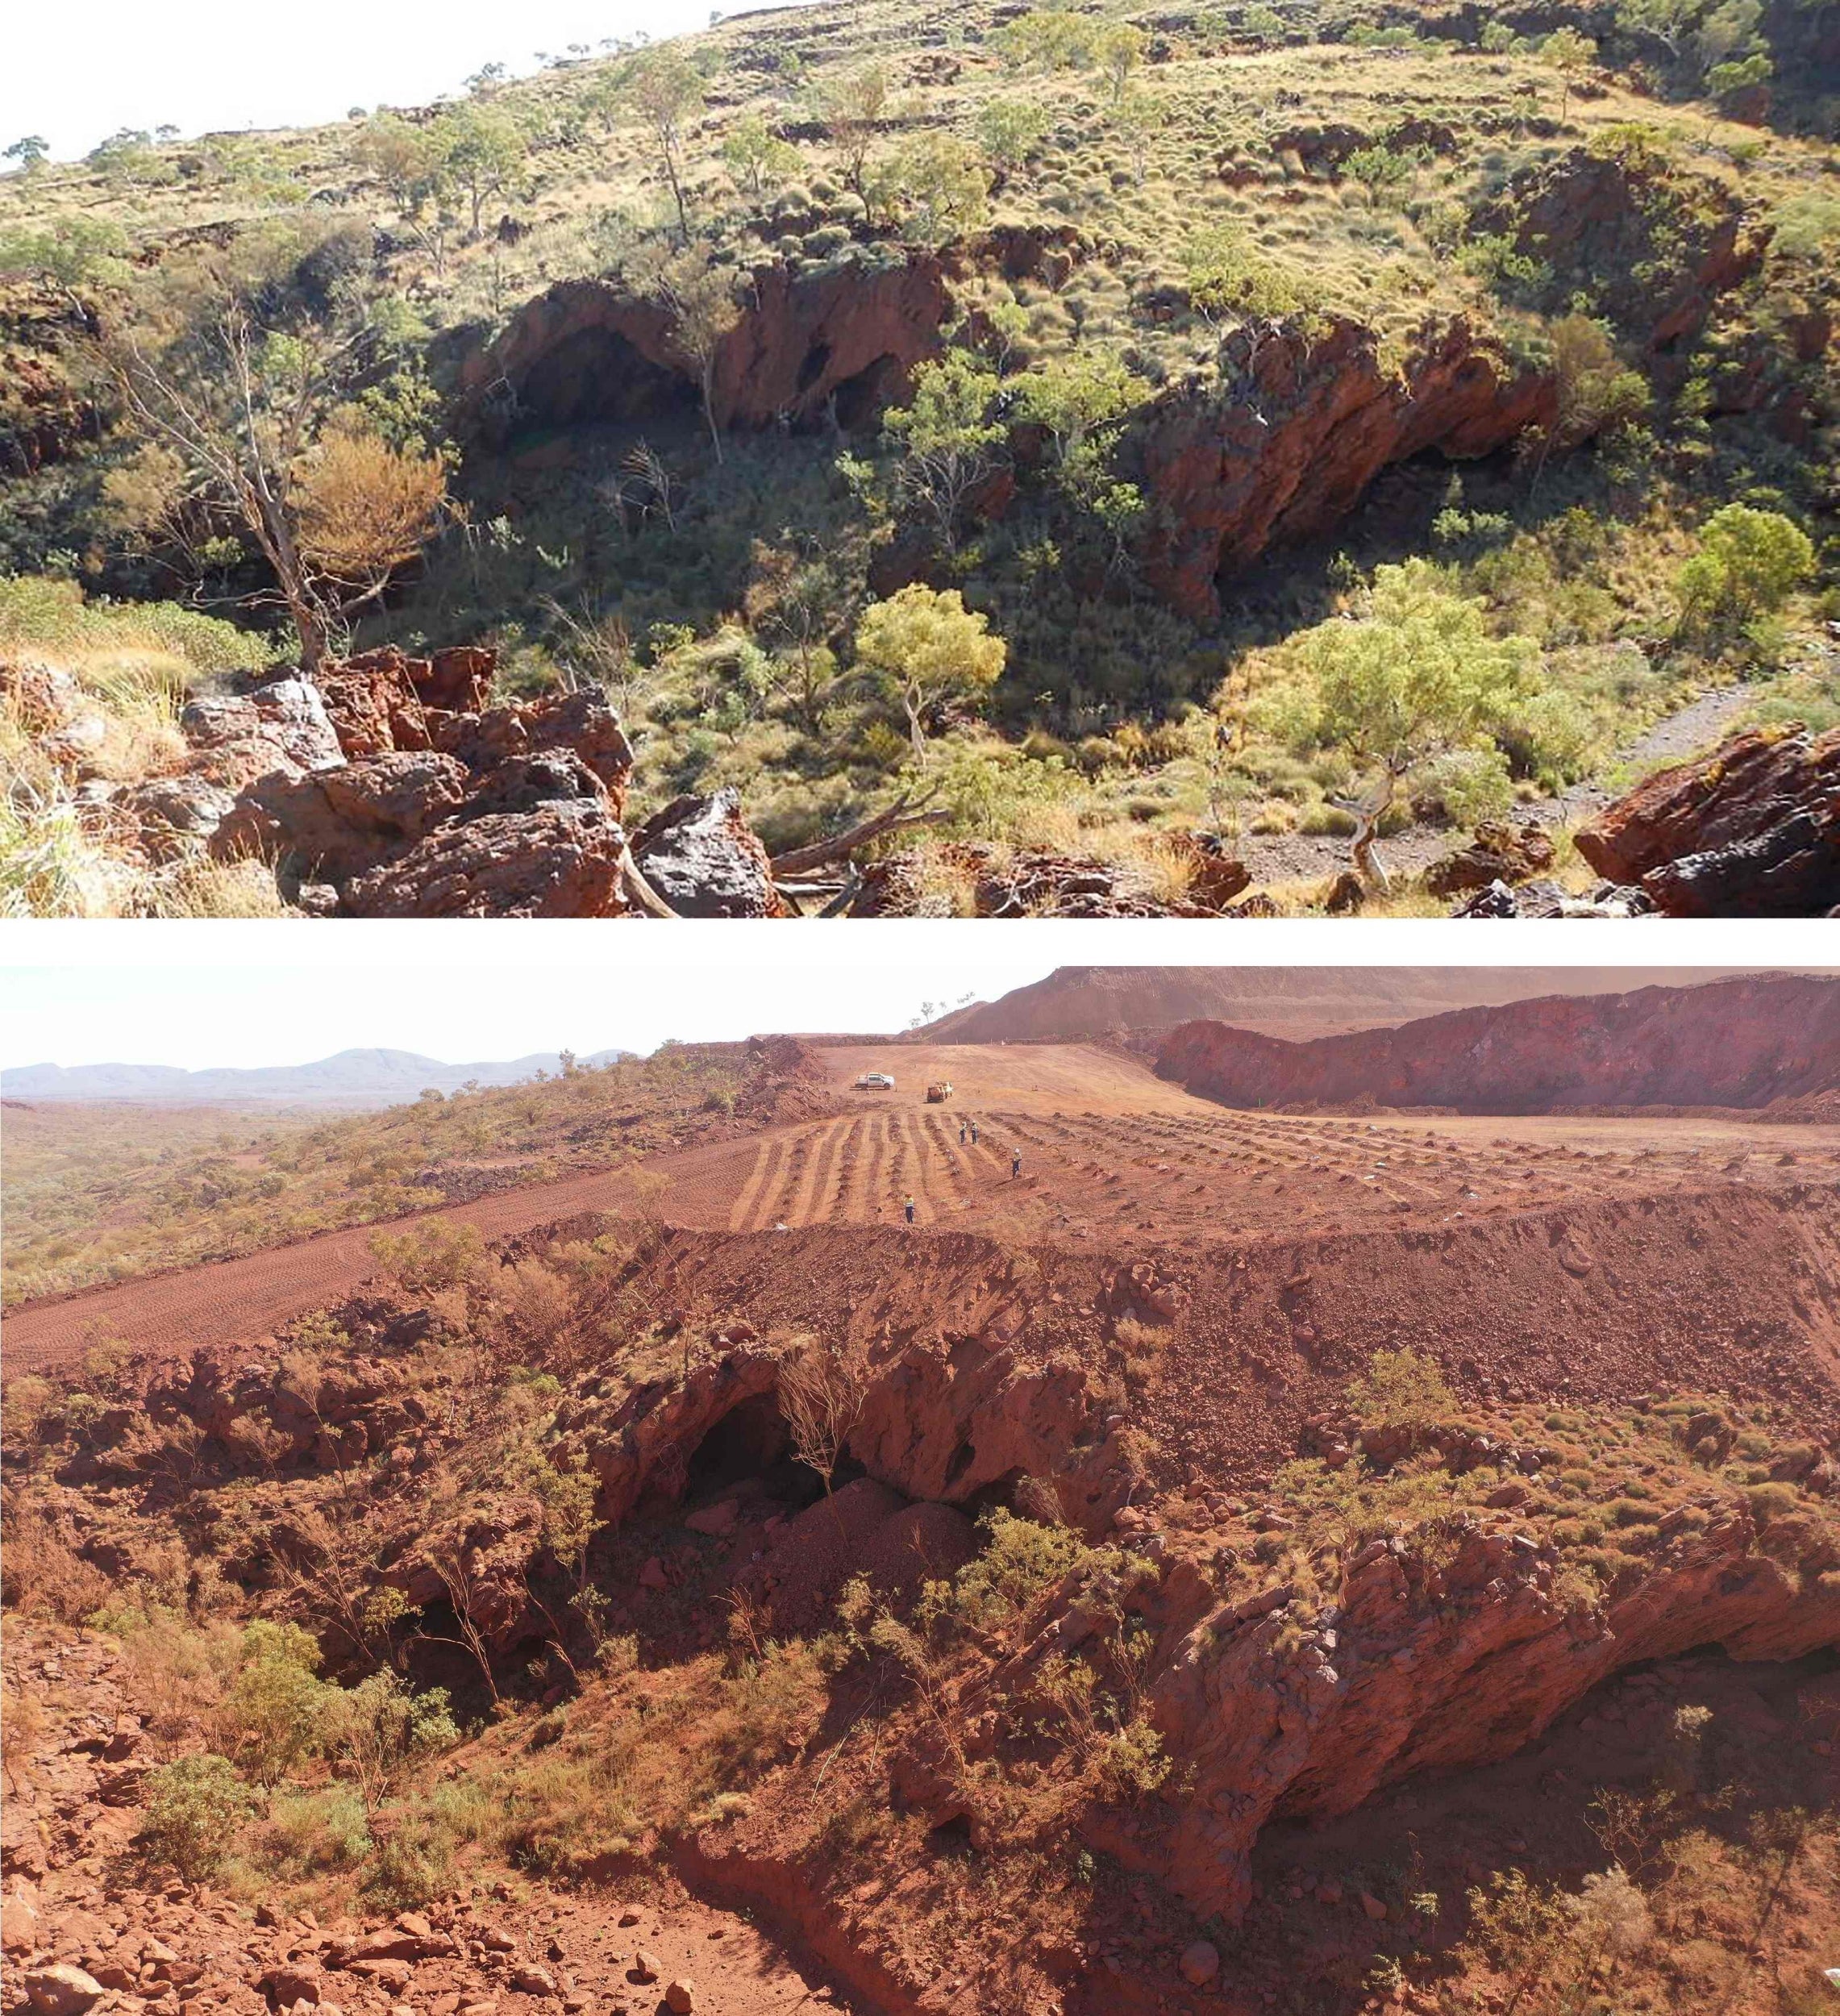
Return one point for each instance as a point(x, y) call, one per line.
point(1110, 1155)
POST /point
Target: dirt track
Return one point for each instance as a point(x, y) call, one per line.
point(1108, 1151)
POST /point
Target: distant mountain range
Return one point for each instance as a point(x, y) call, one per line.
point(353, 1077)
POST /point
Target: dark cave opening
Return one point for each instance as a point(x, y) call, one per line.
point(860, 400)
point(596, 378)
point(752, 1445)
point(815, 363)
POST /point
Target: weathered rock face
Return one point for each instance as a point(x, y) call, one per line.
point(1496, 852)
point(42, 418)
point(1418, 1665)
point(1735, 1043)
point(382, 699)
point(422, 800)
point(588, 352)
point(337, 822)
point(282, 725)
point(1288, 449)
point(1657, 246)
point(704, 861)
point(929, 1428)
point(557, 861)
point(1751, 830)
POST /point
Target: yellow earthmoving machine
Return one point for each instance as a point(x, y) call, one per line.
point(939, 1092)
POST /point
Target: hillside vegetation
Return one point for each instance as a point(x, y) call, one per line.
point(96, 1194)
point(1015, 401)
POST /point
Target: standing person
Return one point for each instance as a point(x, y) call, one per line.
point(974, 1134)
point(908, 1209)
point(961, 1134)
point(1015, 1164)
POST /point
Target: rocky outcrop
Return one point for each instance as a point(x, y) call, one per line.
point(1298, 426)
point(406, 793)
point(704, 861)
point(381, 699)
point(1547, 900)
point(1436, 1657)
point(929, 1427)
point(1732, 1043)
point(43, 419)
point(279, 726)
point(1752, 830)
point(555, 860)
point(1656, 246)
point(1496, 852)
point(589, 350)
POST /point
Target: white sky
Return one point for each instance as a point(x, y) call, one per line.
point(195, 994)
point(197, 1017)
point(76, 74)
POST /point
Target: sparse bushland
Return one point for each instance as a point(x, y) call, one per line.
point(1223, 181)
point(128, 1193)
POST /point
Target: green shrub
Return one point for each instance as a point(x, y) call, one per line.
point(1020, 1561)
point(194, 1809)
point(1749, 563)
point(276, 1703)
point(1401, 1389)
point(376, 1730)
point(37, 610)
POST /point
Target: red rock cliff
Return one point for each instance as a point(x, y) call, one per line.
point(1736, 1043)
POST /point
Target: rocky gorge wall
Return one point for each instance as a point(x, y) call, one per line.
point(1740, 1043)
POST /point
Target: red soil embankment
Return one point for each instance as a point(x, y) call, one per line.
point(1741, 1043)
point(1727, 1287)
point(1077, 1003)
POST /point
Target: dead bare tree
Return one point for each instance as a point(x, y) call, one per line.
point(821, 1393)
point(450, 1565)
point(249, 418)
point(893, 819)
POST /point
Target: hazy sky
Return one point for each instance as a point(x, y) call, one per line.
point(196, 1015)
point(200, 993)
point(76, 74)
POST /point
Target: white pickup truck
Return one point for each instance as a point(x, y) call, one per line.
point(875, 1081)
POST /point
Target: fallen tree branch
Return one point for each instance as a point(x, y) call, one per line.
point(841, 904)
point(897, 816)
point(640, 890)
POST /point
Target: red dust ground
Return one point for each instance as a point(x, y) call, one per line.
point(1111, 1155)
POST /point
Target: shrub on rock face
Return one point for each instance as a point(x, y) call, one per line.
point(1400, 1388)
point(194, 1807)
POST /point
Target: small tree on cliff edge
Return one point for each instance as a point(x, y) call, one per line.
point(699, 296)
point(1416, 682)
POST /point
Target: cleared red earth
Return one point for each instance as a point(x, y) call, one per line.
point(1108, 1151)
